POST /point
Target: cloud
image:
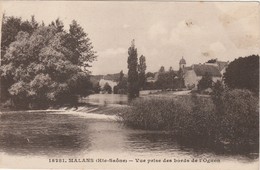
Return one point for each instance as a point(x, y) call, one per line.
point(157, 30)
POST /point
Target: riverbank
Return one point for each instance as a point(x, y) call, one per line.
point(231, 120)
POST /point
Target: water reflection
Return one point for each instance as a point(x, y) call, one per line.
point(42, 134)
point(64, 134)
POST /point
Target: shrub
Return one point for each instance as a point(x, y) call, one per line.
point(205, 82)
point(200, 121)
point(182, 115)
point(240, 120)
point(147, 113)
point(196, 117)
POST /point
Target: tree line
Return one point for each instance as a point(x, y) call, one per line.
point(43, 65)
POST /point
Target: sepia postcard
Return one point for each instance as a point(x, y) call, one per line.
point(129, 85)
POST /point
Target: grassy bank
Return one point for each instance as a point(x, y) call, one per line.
point(230, 119)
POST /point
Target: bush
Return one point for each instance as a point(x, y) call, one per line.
point(196, 117)
point(240, 120)
point(183, 116)
point(146, 113)
point(200, 121)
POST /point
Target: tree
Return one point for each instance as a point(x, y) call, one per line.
point(141, 71)
point(243, 73)
point(162, 70)
point(10, 28)
point(171, 77)
point(121, 76)
point(96, 87)
point(205, 82)
point(218, 90)
point(107, 88)
point(121, 87)
point(41, 69)
point(212, 61)
point(80, 46)
point(240, 117)
point(166, 80)
point(180, 80)
point(133, 87)
point(149, 74)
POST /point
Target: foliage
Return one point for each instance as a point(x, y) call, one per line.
point(10, 28)
point(133, 86)
point(182, 115)
point(161, 70)
point(43, 70)
point(194, 117)
point(122, 84)
point(96, 87)
point(141, 71)
point(149, 74)
point(212, 61)
point(243, 73)
point(240, 119)
point(218, 89)
point(107, 88)
point(180, 79)
point(205, 82)
point(166, 80)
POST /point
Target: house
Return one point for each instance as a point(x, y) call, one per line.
point(194, 73)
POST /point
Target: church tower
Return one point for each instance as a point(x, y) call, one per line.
point(182, 63)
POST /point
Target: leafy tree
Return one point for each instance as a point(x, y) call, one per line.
point(212, 61)
point(115, 89)
point(133, 86)
point(78, 42)
point(121, 76)
point(205, 82)
point(218, 90)
point(171, 78)
point(121, 87)
point(243, 73)
point(96, 87)
point(141, 70)
point(180, 79)
point(41, 69)
point(107, 88)
point(149, 74)
point(240, 119)
point(162, 70)
point(58, 24)
point(10, 28)
point(166, 80)
point(170, 69)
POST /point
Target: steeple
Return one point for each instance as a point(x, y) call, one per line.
point(182, 63)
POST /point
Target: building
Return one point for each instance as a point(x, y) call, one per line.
point(194, 73)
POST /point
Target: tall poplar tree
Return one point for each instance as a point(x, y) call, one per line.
point(141, 71)
point(133, 86)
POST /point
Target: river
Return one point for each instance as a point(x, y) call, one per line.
point(31, 138)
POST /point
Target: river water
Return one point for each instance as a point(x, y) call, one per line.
point(32, 138)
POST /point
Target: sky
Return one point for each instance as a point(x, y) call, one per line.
point(164, 32)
